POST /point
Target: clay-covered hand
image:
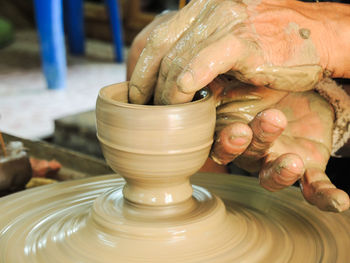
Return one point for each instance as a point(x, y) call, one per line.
point(269, 43)
point(283, 136)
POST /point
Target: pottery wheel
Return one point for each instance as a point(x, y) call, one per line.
point(79, 221)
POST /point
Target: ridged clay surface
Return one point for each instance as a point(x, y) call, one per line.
point(157, 216)
point(59, 223)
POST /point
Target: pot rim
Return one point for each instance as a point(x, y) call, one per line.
point(106, 99)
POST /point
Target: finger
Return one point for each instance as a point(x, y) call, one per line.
point(211, 25)
point(231, 142)
point(161, 39)
point(212, 167)
point(166, 93)
point(282, 172)
point(211, 61)
point(140, 41)
point(319, 191)
point(144, 77)
point(267, 126)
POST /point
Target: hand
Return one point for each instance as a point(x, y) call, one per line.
point(283, 136)
point(272, 43)
point(140, 41)
point(160, 38)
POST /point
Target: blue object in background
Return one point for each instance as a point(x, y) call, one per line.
point(74, 21)
point(49, 21)
point(114, 18)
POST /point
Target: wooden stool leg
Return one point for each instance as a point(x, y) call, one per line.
point(48, 15)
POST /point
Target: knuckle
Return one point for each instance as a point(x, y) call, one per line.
point(157, 37)
point(170, 64)
point(179, 64)
point(165, 66)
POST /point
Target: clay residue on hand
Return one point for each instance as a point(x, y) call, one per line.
point(304, 49)
point(304, 33)
point(296, 78)
point(295, 73)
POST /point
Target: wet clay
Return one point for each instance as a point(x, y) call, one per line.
point(301, 78)
point(155, 215)
point(58, 223)
point(155, 148)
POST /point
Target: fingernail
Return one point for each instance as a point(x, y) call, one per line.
point(269, 128)
point(293, 164)
point(272, 120)
point(215, 159)
point(239, 141)
point(185, 82)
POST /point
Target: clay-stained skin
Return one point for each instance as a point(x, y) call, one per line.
point(301, 78)
point(292, 134)
point(161, 39)
point(264, 43)
point(274, 45)
point(310, 117)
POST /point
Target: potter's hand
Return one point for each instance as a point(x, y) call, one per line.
point(268, 43)
point(284, 136)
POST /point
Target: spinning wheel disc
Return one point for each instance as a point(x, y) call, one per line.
point(53, 224)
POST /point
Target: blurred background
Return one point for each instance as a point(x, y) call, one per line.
point(55, 55)
point(29, 105)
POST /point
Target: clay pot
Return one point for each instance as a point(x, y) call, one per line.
point(155, 148)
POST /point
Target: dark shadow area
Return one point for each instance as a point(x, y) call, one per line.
point(338, 170)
